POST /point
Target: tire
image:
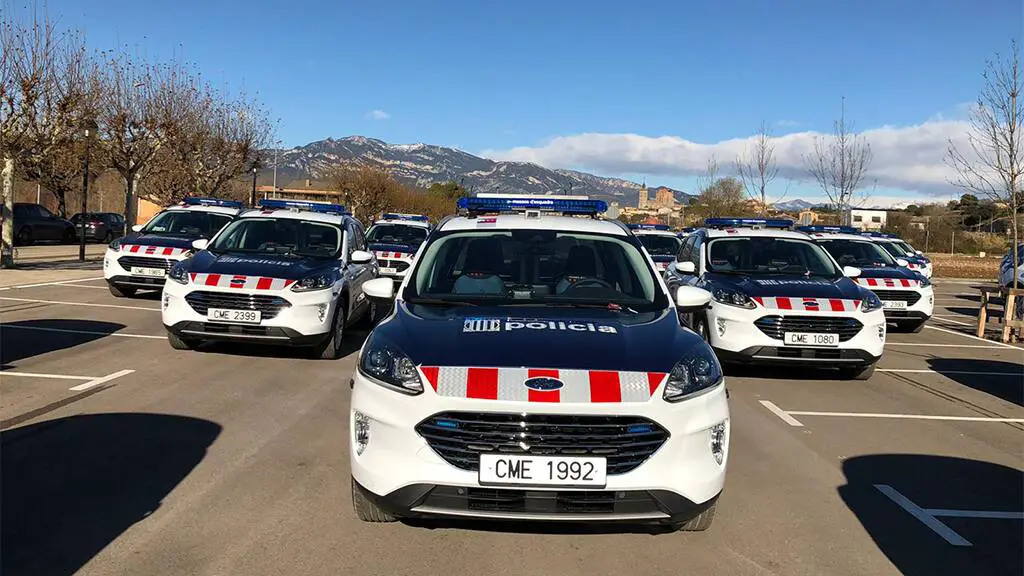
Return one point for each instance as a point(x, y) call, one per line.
point(366, 509)
point(372, 316)
point(702, 521)
point(861, 373)
point(108, 237)
point(912, 327)
point(330, 348)
point(180, 343)
point(120, 292)
point(24, 237)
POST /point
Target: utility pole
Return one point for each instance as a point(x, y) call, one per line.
point(90, 132)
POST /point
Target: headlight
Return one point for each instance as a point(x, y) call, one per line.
point(388, 366)
point(732, 298)
point(698, 371)
point(115, 245)
point(178, 273)
point(871, 302)
point(925, 282)
point(318, 282)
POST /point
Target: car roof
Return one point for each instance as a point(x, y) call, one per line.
point(655, 233)
point(759, 232)
point(546, 221)
point(827, 236)
point(400, 222)
point(215, 209)
point(307, 215)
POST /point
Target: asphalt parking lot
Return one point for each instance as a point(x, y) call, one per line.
point(123, 456)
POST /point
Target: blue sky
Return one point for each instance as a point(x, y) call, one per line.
point(496, 76)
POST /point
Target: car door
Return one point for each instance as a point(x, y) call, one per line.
point(50, 226)
point(356, 274)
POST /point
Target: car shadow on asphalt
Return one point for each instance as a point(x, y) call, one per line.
point(546, 528)
point(938, 484)
point(352, 342)
point(72, 486)
point(27, 338)
point(1006, 385)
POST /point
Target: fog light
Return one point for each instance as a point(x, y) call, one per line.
point(360, 431)
point(321, 312)
point(881, 332)
point(719, 440)
point(720, 326)
point(165, 302)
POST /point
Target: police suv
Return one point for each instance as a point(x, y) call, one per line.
point(142, 259)
point(778, 297)
point(907, 296)
point(535, 368)
point(916, 260)
point(661, 243)
point(394, 240)
point(290, 273)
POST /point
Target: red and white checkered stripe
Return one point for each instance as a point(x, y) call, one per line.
point(240, 282)
point(807, 304)
point(887, 282)
point(580, 386)
point(393, 255)
point(143, 250)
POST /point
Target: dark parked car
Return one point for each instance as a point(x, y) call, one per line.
point(101, 226)
point(35, 222)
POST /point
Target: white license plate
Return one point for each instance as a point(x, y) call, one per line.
point(240, 316)
point(894, 304)
point(389, 271)
point(151, 272)
point(542, 470)
point(810, 339)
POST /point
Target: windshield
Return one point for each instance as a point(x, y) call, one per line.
point(525, 267)
point(286, 236)
point(186, 223)
point(659, 245)
point(859, 253)
point(907, 248)
point(767, 255)
point(893, 249)
point(396, 234)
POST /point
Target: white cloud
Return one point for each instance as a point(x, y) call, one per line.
point(910, 158)
point(378, 115)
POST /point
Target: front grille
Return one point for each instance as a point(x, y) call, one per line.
point(776, 326)
point(635, 502)
point(399, 265)
point(268, 306)
point(909, 296)
point(460, 437)
point(127, 262)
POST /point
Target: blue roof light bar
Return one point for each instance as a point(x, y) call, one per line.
point(408, 217)
point(305, 205)
point(522, 204)
point(777, 223)
point(829, 229)
point(880, 235)
point(194, 201)
point(663, 227)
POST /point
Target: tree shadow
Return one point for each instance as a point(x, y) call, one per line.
point(973, 312)
point(946, 483)
point(27, 338)
point(72, 486)
point(91, 263)
point(1006, 385)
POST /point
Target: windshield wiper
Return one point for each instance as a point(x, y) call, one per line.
point(440, 302)
point(597, 306)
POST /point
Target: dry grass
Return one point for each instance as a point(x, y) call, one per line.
point(964, 266)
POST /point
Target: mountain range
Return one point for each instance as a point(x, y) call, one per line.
point(421, 165)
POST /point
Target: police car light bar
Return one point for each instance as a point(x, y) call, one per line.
point(748, 223)
point(307, 205)
point(522, 203)
point(829, 229)
point(191, 201)
point(409, 217)
point(648, 226)
point(879, 235)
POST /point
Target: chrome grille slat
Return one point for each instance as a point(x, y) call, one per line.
point(776, 326)
point(909, 296)
point(268, 306)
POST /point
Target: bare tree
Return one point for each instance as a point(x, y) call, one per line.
point(365, 190)
point(710, 175)
point(839, 163)
point(723, 198)
point(758, 168)
point(992, 162)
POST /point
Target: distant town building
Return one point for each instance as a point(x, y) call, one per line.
point(664, 198)
point(865, 219)
point(614, 210)
point(807, 217)
point(641, 201)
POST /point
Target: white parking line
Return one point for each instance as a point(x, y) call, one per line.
point(787, 416)
point(38, 375)
point(949, 319)
point(973, 337)
point(989, 514)
point(89, 332)
point(61, 283)
point(90, 381)
point(88, 304)
point(781, 413)
point(929, 520)
point(962, 372)
point(923, 345)
point(102, 380)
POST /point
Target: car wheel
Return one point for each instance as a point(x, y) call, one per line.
point(24, 237)
point(372, 315)
point(700, 326)
point(861, 373)
point(121, 292)
point(366, 509)
point(702, 521)
point(108, 237)
point(180, 343)
point(330, 348)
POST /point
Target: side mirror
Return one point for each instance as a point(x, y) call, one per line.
point(691, 298)
point(919, 252)
point(137, 228)
point(686, 267)
point(851, 271)
point(361, 257)
point(902, 262)
point(200, 244)
point(383, 288)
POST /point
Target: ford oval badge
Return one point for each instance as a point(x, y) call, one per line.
point(543, 384)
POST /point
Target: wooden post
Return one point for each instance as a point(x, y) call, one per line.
point(1009, 308)
point(983, 313)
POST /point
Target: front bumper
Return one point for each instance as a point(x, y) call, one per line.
point(400, 470)
point(305, 321)
point(735, 338)
point(920, 310)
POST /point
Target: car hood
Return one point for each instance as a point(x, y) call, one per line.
point(889, 272)
point(537, 337)
point(245, 264)
point(787, 286)
point(158, 240)
point(406, 248)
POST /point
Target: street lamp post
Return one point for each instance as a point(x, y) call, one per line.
point(90, 133)
point(252, 196)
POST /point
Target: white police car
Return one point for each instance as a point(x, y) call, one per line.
point(779, 298)
point(908, 298)
point(916, 260)
point(535, 368)
point(288, 274)
point(142, 259)
point(661, 243)
point(394, 240)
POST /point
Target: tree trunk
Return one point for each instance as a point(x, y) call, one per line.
point(7, 215)
point(129, 200)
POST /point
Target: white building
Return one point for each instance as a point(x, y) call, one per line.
point(865, 219)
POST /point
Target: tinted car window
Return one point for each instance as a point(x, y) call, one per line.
point(658, 245)
point(766, 255)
